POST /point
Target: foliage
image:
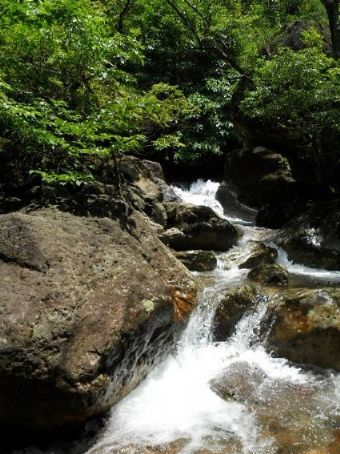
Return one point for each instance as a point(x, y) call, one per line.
point(81, 80)
point(299, 90)
point(67, 89)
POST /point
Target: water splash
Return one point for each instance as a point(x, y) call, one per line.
point(270, 405)
point(177, 402)
point(203, 193)
point(314, 274)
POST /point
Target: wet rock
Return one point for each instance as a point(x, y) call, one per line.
point(259, 176)
point(231, 309)
point(231, 205)
point(313, 238)
point(87, 306)
point(239, 382)
point(271, 275)
point(198, 260)
point(183, 214)
point(174, 447)
point(260, 255)
point(306, 327)
point(198, 228)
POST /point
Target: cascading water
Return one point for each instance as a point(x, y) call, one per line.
point(229, 397)
point(203, 193)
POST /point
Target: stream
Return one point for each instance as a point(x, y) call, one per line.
point(274, 407)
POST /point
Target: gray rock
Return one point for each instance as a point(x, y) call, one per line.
point(198, 228)
point(259, 176)
point(232, 206)
point(313, 238)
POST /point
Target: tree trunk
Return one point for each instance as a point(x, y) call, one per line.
point(332, 9)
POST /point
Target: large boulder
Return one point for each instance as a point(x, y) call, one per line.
point(198, 260)
point(134, 169)
point(306, 327)
point(259, 176)
point(87, 306)
point(313, 238)
point(230, 310)
point(198, 228)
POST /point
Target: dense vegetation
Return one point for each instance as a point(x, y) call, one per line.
point(83, 81)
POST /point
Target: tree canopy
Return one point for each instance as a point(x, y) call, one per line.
point(84, 80)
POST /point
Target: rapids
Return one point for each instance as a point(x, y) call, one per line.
point(271, 406)
point(275, 408)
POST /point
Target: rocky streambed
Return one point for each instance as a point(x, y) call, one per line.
point(252, 372)
point(256, 369)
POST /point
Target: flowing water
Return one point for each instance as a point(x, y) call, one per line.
point(229, 397)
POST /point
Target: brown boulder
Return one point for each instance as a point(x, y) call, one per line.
point(306, 327)
point(87, 306)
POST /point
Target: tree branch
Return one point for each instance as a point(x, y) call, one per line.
point(184, 19)
point(120, 23)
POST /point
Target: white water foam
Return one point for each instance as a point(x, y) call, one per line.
point(203, 193)
point(177, 402)
point(320, 275)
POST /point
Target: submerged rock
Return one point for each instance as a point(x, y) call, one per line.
point(240, 381)
point(260, 255)
point(198, 260)
point(313, 238)
point(306, 327)
point(198, 228)
point(87, 306)
point(271, 275)
point(231, 309)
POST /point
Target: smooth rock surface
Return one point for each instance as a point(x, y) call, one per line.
point(231, 205)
